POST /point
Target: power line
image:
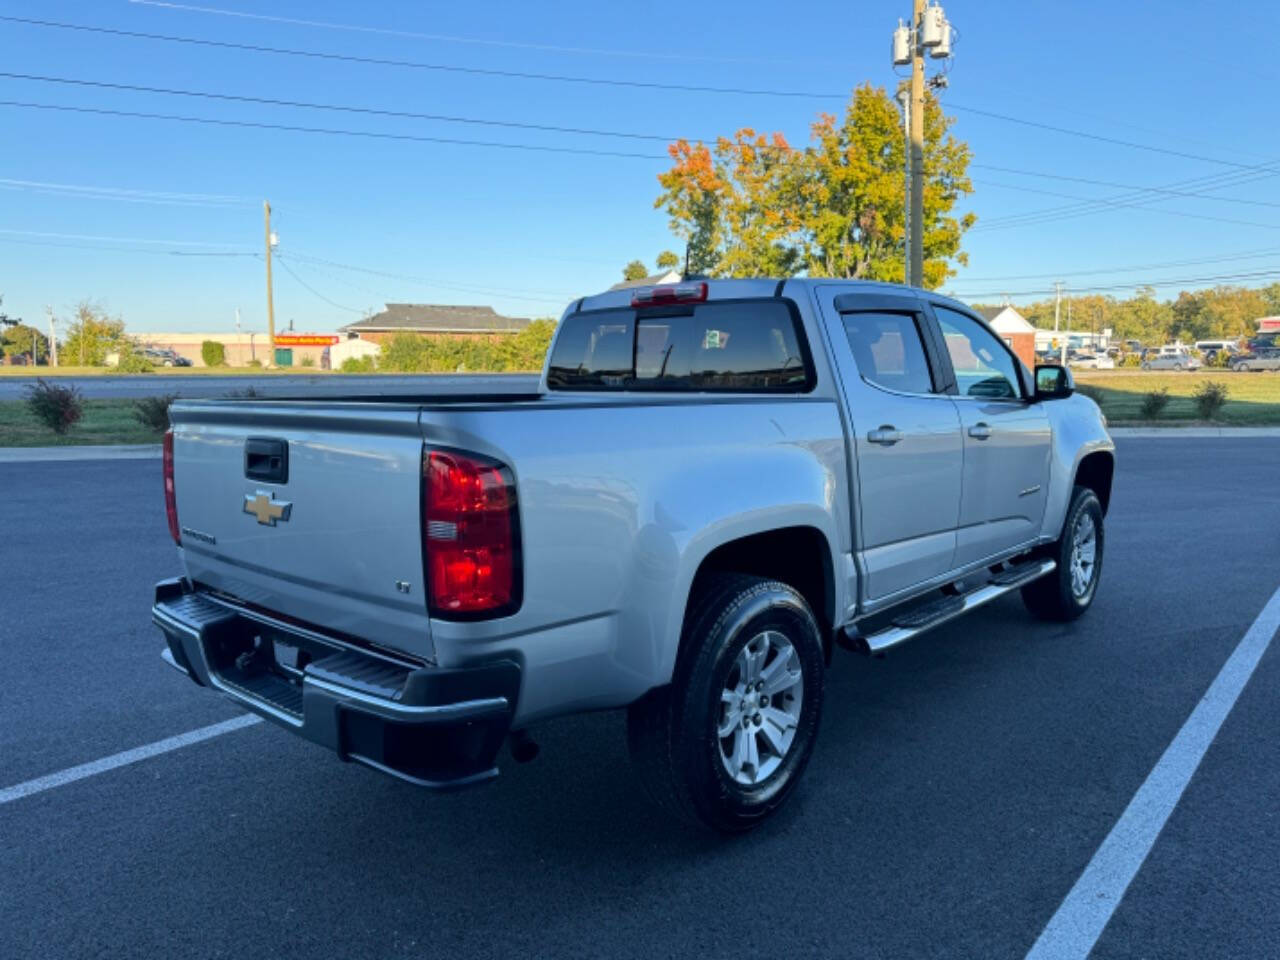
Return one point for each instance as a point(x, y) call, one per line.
point(566, 78)
point(343, 108)
point(1111, 183)
point(1132, 206)
point(1273, 273)
point(123, 192)
point(80, 236)
point(452, 38)
point(331, 131)
point(1095, 136)
point(1248, 255)
point(1215, 181)
point(545, 296)
point(282, 261)
point(421, 65)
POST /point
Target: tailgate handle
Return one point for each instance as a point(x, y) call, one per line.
point(266, 460)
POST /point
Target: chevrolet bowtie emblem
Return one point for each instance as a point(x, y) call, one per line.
point(267, 509)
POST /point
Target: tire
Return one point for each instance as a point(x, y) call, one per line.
point(1178, 367)
point(1146, 366)
point(691, 771)
point(1056, 596)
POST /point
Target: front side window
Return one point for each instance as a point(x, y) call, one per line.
point(888, 350)
point(983, 367)
point(750, 346)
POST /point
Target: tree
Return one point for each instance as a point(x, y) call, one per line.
point(19, 339)
point(753, 205)
point(668, 260)
point(91, 336)
point(635, 270)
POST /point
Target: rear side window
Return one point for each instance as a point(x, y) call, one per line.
point(888, 351)
point(749, 346)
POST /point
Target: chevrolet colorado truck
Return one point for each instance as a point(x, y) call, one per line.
point(712, 484)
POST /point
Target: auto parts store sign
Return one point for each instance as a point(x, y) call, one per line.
point(305, 340)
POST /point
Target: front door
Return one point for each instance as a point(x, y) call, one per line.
point(1006, 442)
point(906, 438)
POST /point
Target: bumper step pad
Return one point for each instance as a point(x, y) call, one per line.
point(434, 727)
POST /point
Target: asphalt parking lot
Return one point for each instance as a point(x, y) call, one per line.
point(960, 786)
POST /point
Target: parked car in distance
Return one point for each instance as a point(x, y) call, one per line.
point(164, 357)
point(1093, 361)
point(1264, 341)
point(1171, 358)
point(713, 483)
point(1211, 349)
point(1261, 360)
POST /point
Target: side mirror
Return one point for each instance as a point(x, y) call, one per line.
point(1053, 382)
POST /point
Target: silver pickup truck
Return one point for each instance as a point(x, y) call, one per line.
point(712, 484)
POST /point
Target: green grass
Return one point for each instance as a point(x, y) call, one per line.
point(63, 371)
point(104, 421)
point(1253, 399)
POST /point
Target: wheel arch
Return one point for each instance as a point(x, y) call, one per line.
point(799, 556)
point(1096, 471)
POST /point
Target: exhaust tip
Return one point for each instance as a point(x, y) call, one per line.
point(524, 749)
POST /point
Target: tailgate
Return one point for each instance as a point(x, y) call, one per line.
point(307, 509)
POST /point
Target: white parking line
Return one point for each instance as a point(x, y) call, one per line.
point(72, 774)
point(1079, 921)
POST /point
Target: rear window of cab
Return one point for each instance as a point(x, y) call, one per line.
point(743, 346)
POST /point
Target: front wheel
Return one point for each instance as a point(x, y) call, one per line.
point(726, 742)
point(1068, 592)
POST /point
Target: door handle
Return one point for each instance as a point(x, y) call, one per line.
point(887, 434)
point(980, 431)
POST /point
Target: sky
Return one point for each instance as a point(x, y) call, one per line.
point(161, 221)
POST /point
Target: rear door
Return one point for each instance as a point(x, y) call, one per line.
point(311, 510)
point(1006, 440)
point(906, 437)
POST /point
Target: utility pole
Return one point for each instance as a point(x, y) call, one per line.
point(271, 310)
point(917, 151)
point(53, 336)
point(929, 32)
point(904, 101)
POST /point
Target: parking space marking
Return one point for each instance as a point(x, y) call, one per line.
point(1075, 928)
point(72, 774)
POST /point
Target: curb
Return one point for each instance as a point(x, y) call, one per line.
point(1178, 433)
point(121, 451)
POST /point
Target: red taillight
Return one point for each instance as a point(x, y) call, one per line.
point(670, 293)
point(170, 495)
point(469, 535)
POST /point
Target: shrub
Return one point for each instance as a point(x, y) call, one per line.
point(358, 365)
point(153, 412)
point(307, 361)
point(1153, 403)
point(1220, 358)
point(1131, 360)
point(255, 362)
point(1209, 397)
point(56, 406)
point(131, 361)
point(213, 353)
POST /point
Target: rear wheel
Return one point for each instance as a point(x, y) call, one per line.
point(725, 743)
point(1068, 592)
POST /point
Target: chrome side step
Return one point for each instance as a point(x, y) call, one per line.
point(916, 622)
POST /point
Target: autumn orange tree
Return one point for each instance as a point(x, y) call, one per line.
point(753, 205)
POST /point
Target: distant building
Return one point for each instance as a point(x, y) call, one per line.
point(667, 276)
point(432, 319)
point(1268, 324)
point(1014, 329)
point(242, 348)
